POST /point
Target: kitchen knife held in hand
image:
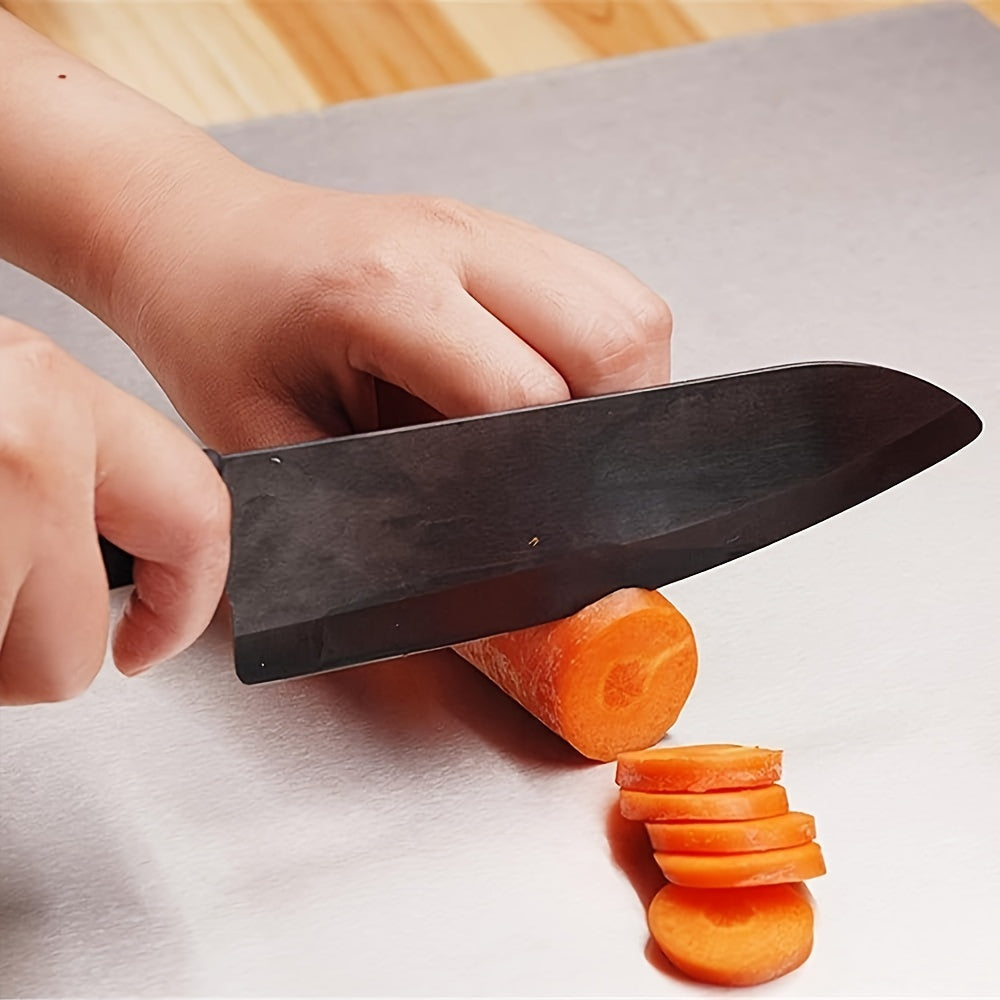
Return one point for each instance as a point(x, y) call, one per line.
point(371, 546)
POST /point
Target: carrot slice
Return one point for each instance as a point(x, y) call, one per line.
point(733, 937)
point(725, 871)
point(707, 768)
point(610, 678)
point(746, 803)
point(768, 834)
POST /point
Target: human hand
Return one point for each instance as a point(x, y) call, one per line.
point(268, 310)
point(77, 457)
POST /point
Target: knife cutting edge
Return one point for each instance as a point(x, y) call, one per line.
point(376, 545)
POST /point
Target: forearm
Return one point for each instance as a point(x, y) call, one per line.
point(85, 162)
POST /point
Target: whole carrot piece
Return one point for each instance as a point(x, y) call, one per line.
point(611, 678)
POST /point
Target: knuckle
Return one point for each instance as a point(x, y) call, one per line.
point(76, 681)
point(28, 353)
point(654, 320)
point(623, 348)
point(11, 331)
point(29, 402)
point(334, 293)
point(215, 513)
point(449, 212)
point(385, 262)
point(215, 524)
point(18, 453)
point(68, 680)
point(538, 387)
point(203, 533)
point(379, 266)
point(635, 347)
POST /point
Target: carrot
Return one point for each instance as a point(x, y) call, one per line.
point(612, 677)
point(733, 937)
point(746, 803)
point(785, 830)
point(707, 768)
point(725, 871)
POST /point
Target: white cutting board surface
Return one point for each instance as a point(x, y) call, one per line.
point(402, 829)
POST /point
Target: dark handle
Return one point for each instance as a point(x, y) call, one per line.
point(117, 562)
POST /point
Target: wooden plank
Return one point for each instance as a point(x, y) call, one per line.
point(224, 60)
point(989, 8)
point(726, 18)
point(207, 61)
point(515, 36)
point(621, 27)
point(352, 50)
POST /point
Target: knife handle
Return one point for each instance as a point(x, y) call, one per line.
point(118, 563)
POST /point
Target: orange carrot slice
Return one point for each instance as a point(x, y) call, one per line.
point(768, 834)
point(610, 678)
point(733, 937)
point(746, 803)
point(726, 871)
point(707, 768)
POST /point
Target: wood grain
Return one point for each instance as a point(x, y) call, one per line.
point(227, 60)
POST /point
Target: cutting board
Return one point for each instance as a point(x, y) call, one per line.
point(403, 829)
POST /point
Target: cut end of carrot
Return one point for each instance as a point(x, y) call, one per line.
point(704, 768)
point(624, 683)
point(627, 688)
point(733, 937)
point(611, 678)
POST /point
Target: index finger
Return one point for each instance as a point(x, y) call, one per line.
point(158, 496)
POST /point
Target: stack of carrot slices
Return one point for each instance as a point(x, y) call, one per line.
point(735, 912)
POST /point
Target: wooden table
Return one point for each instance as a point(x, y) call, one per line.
point(227, 60)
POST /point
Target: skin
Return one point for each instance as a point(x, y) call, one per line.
point(270, 312)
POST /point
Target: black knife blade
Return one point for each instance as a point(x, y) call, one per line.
point(382, 544)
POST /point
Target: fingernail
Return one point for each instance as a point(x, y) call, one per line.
point(135, 670)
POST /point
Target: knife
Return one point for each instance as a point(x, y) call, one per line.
point(376, 545)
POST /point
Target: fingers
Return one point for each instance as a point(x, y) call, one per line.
point(160, 498)
point(53, 593)
point(456, 357)
point(77, 455)
point(56, 634)
point(598, 325)
point(541, 319)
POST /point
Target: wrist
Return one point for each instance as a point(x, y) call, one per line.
point(87, 165)
point(153, 222)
